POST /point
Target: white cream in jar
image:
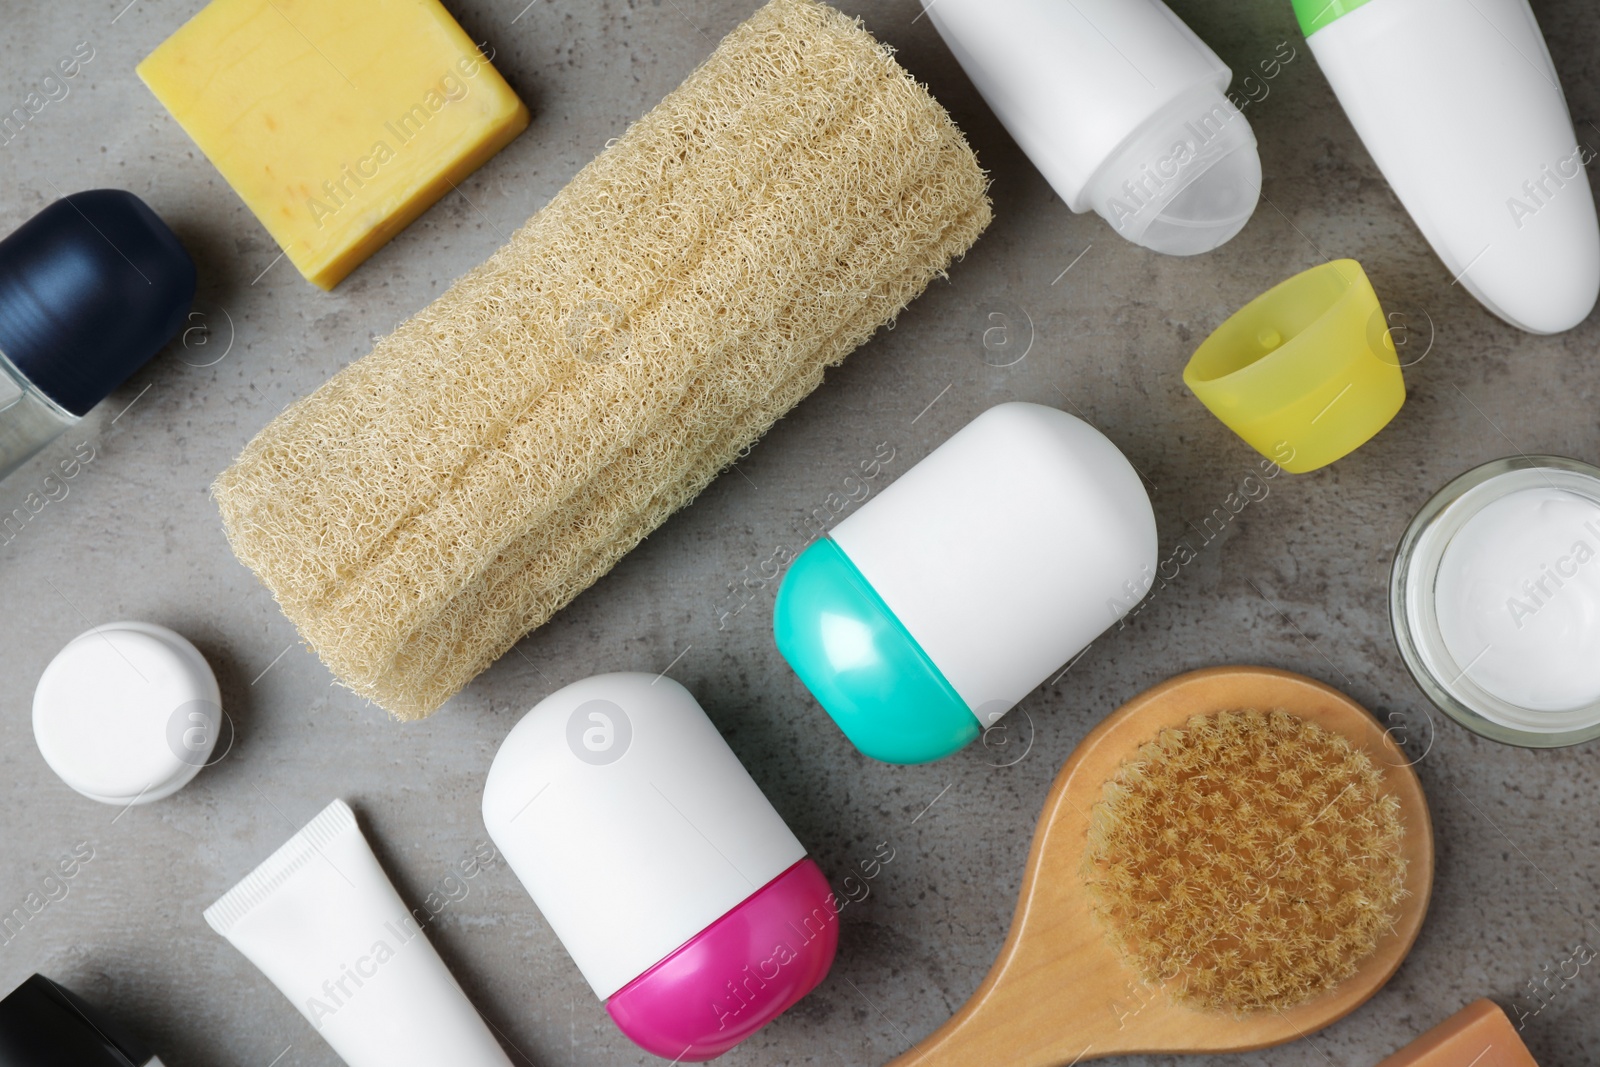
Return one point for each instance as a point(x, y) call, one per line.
point(1495, 600)
point(1518, 598)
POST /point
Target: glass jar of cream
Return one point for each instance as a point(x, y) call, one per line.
point(1495, 600)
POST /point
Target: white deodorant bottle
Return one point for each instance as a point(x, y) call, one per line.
point(1120, 106)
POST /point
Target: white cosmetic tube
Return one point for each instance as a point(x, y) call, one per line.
point(324, 923)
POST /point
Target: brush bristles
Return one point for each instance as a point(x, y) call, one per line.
point(1249, 860)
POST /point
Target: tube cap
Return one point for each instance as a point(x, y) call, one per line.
point(90, 288)
point(43, 1024)
point(1306, 372)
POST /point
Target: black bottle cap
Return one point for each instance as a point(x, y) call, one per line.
point(90, 288)
point(43, 1024)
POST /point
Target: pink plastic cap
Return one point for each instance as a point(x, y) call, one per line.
point(736, 975)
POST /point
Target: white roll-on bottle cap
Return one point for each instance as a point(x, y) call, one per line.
point(1001, 550)
point(630, 821)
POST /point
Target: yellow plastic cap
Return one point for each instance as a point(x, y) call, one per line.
point(1306, 372)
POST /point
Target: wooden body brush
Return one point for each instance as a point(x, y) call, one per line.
point(1062, 992)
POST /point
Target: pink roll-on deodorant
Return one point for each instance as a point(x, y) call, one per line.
point(679, 892)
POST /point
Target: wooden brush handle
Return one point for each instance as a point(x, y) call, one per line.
point(983, 1040)
point(1059, 994)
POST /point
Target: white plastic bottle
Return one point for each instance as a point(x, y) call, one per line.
point(1120, 106)
point(928, 613)
point(1459, 104)
point(91, 288)
point(672, 881)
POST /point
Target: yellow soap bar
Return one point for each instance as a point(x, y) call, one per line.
point(337, 121)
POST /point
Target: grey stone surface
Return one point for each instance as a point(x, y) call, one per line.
point(1297, 581)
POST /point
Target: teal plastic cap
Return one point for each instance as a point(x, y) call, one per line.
point(862, 665)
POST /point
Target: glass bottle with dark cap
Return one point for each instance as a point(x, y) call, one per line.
point(43, 1024)
point(90, 288)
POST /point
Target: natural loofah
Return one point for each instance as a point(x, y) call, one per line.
point(504, 447)
point(1249, 860)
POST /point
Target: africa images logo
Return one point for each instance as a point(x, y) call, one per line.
point(599, 732)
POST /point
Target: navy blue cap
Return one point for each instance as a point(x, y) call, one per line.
point(43, 1024)
point(90, 288)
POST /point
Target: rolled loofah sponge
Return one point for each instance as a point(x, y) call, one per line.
point(505, 446)
point(1250, 860)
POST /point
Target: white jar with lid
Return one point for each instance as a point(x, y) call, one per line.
point(1495, 600)
point(127, 713)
